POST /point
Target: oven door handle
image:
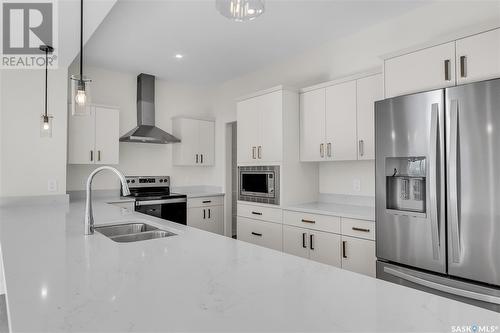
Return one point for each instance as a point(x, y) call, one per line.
point(159, 202)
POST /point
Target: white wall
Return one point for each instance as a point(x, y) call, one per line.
point(28, 161)
point(356, 53)
point(119, 89)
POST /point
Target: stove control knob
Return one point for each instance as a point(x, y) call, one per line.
point(165, 180)
point(161, 180)
point(133, 181)
point(128, 180)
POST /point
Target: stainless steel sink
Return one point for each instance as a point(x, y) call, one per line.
point(132, 232)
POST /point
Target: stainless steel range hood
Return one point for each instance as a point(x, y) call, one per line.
point(146, 131)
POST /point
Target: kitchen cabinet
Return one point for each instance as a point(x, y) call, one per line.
point(478, 57)
point(337, 119)
point(206, 213)
point(267, 234)
point(94, 138)
point(358, 255)
point(368, 90)
point(316, 245)
point(197, 146)
point(426, 69)
point(260, 128)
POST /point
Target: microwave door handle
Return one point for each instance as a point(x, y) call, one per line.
point(453, 172)
point(433, 180)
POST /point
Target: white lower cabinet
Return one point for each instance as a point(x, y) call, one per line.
point(206, 214)
point(358, 255)
point(263, 233)
point(295, 241)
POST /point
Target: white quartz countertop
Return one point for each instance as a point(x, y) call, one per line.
point(57, 279)
point(198, 191)
point(335, 209)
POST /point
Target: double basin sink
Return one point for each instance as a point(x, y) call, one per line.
point(132, 232)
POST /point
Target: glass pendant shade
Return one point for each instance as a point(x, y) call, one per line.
point(240, 10)
point(46, 126)
point(80, 95)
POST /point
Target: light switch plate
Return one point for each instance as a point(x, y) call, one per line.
point(52, 185)
point(356, 185)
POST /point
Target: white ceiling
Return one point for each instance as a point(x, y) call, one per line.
point(144, 36)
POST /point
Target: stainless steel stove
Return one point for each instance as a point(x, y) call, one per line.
point(152, 197)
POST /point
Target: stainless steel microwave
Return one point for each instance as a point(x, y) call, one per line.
point(259, 184)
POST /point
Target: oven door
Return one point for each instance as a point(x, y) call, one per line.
point(168, 209)
point(257, 184)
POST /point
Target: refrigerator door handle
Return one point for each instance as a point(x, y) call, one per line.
point(453, 170)
point(442, 287)
point(433, 173)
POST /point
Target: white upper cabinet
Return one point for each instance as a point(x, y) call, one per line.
point(94, 138)
point(260, 128)
point(340, 121)
point(427, 69)
point(197, 146)
point(478, 57)
point(337, 119)
point(312, 125)
point(369, 90)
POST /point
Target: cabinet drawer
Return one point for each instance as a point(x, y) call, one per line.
point(260, 213)
point(312, 221)
point(358, 228)
point(205, 201)
point(260, 233)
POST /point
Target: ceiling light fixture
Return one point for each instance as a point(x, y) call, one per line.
point(179, 56)
point(80, 89)
point(46, 120)
point(240, 10)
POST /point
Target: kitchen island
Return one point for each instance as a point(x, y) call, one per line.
point(58, 279)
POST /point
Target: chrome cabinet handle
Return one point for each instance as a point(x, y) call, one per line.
point(256, 234)
point(463, 66)
point(329, 149)
point(433, 176)
point(447, 70)
point(311, 239)
point(259, 152)
point(308, 221)
point(453, 184)
point(253, 152)
point(360, 229)
point(91, 156)
point(322, 150)
point(98, 155)
point(361, 148)
point(304, 245)
point(344, 254)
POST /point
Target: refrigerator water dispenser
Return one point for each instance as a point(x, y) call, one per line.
point(406, 184)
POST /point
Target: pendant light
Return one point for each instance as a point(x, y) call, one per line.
point(240, 10)
point(46, 120)
point(80, 87)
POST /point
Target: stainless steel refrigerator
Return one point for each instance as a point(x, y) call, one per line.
point(438, 192)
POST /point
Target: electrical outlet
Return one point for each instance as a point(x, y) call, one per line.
point(52, 185)
point(356, 185)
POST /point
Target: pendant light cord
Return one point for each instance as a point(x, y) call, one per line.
point(46, 77)
point(81, 39)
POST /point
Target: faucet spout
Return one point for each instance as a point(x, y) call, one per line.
point(89, 218)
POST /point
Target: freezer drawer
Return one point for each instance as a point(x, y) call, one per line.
point(475, 294)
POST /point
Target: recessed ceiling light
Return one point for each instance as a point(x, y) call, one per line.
point(179, 56)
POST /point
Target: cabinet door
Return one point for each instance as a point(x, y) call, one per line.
point(267, 234)
point(107, 136)
point(296, 241)
point(340, 120)
point(324, 247)
point(478, 57)
point(248, 133)
point(368, 90)
point(206, 143)
point(427, 69)
point(312, 125)
point(358, 255)
point(207, 218)
point(270, 148)
point(184, 153)
point(81, 138)
point(195, 217)
point(215, 215)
